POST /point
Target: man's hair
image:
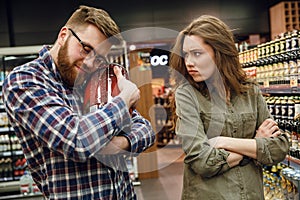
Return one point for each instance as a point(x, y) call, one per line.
point(86, 15)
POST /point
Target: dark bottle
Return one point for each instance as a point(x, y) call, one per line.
point(294, 41)
point(298, 67)
point(288, 43)
point(293, 71)
point(288, 131)
point(297, 107)
point(271, 105)
point(291, 108)
point(282, 45)
point(297, 126)
point(276, 46)
point(294, 135)
point(284, 108)
point(277, 115)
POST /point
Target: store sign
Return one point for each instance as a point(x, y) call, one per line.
point(159, 60)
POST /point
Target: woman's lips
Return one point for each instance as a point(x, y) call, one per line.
point(193, 72)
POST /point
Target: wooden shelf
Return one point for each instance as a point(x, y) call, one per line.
point(284, 17)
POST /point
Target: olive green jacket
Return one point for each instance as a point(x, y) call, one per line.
point(207, 175)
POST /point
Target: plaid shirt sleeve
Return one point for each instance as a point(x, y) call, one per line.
point(140, 136)
point(35, 103)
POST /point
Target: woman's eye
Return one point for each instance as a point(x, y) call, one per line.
point(197, 53)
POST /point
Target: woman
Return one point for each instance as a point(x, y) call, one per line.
point(221, 117)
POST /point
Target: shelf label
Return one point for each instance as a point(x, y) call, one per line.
point(18, 152)
point(266, 84)
point(293, 82)
point(7, 153)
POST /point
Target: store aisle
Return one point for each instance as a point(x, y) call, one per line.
point(168, 185)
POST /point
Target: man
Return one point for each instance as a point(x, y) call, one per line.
point(69, 154)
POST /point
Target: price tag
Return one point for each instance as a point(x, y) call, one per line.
point(293, 82)
point(266, 84)
point(7, 153)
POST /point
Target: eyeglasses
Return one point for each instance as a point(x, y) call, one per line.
point(89, 52)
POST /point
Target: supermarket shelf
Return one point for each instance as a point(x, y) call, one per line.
point(10, 153)
point(4, 129)
point(13, 185)
point(5, 154)
point(292, 162)
point(281, 89)
point(21, 197)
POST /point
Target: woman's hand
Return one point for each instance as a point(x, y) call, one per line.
point(242, 146)
point(234, 159)
point(268, 128)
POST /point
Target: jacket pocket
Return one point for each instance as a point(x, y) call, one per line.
point(248, 124)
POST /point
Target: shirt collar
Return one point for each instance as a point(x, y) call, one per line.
point(46, 57)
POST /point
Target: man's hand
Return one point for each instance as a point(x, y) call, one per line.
point(119, 144)
point(128, 90)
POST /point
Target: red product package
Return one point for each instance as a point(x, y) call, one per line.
point(101, 87)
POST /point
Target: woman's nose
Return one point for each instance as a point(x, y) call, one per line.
point(88, 62)
point(89, 65)
point(188, 61)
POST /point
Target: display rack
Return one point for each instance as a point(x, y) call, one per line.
point(284, 17)
point(275, 65)
point(12, 161)
point(163, 122)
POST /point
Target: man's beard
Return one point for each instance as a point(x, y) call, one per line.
point(67, 70)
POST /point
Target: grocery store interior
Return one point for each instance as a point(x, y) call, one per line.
point(261, 28)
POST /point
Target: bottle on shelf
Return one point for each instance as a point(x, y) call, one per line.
point(25, 183)
point(291, 108)
point(297, 106)
point(277, 116)
point(277, 62)
point(278, 73)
